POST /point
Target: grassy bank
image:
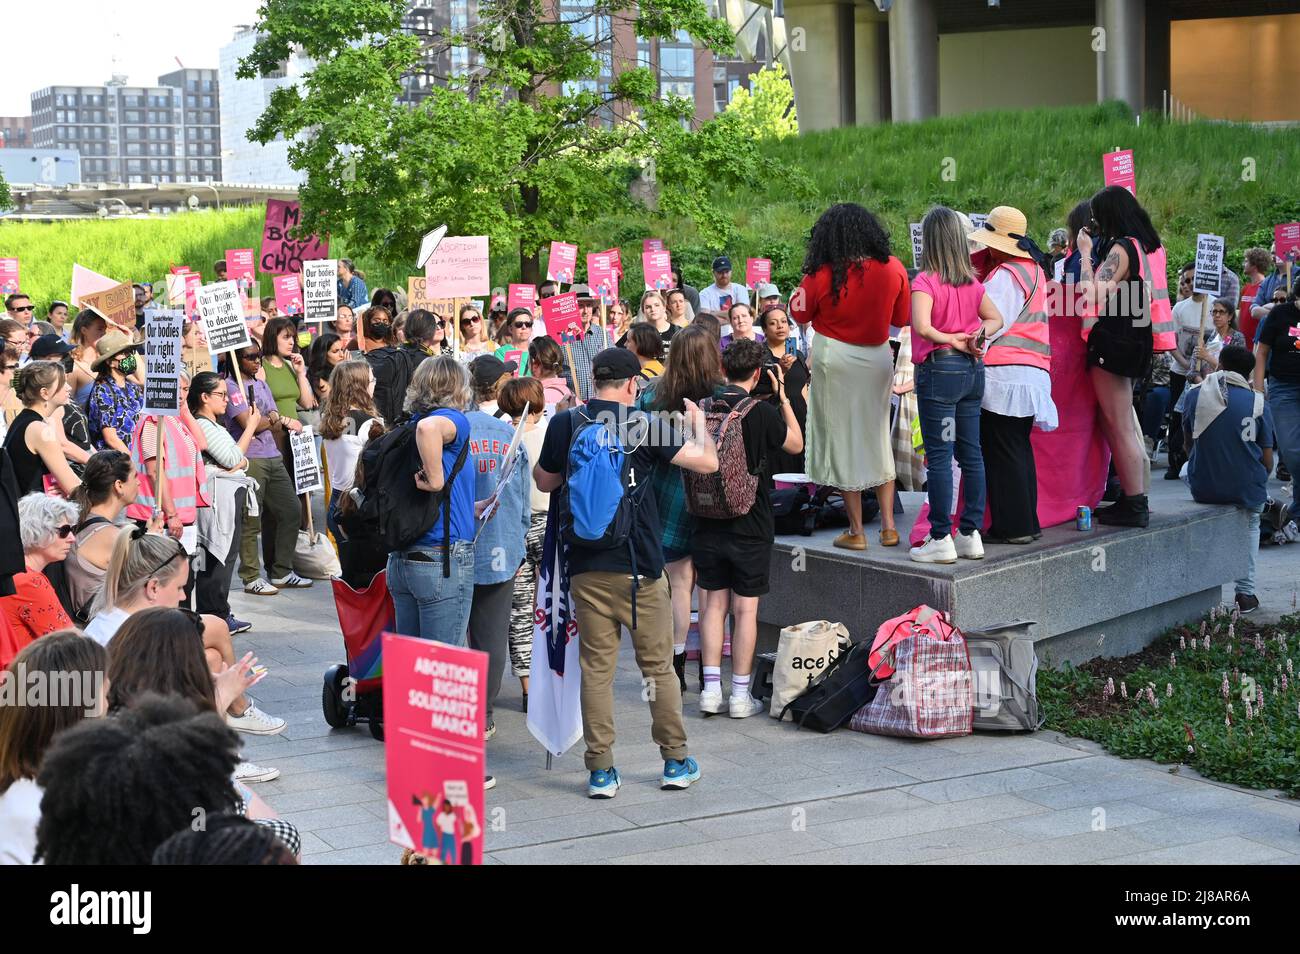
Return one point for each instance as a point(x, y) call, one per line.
point(1237, 181)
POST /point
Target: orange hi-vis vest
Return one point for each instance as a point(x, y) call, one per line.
point(1153, 273)
point(1026, 341)
point(182, 469)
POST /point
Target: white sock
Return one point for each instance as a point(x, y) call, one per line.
point(739, 684)
point(712, 677)
point(679, 648)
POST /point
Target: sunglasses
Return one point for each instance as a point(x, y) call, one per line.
point(523, 324)
point(251, 356)
point(470, 320)
point(24, 308)
point(64, 531)
point(440, 323)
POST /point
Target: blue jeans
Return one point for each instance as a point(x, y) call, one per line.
point(1284, 402)
point(428, 604)
point(1246, 584)
point(948, 393)
point(1154, 408)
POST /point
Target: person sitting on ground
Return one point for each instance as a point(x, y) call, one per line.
point(732, 555)
point(605, 582)
point(225, 840)
point(163, 760)
point(32, 441)
point(1230, 431)
point(26, 732)
point(45, 524)
point(648, 346)
point(110, 484)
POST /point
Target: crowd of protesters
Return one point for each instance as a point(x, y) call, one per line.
point(118, 564)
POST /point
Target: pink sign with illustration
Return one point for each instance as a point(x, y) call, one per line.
point(9, 276)
point(435, 706)
point(658, 269)
point(757, 271)
point(601, 276)
point(288, 294)
point(1118, 169)
point(616, 259)
point(563, 317)
point(560, 267)
point(1286, 238)
point(239, 266)
point(652, 245)
point(521, 296)
point(193, 282)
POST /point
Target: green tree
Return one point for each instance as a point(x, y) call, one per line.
point(767, 107)
point(6, 200)
point(521, 146)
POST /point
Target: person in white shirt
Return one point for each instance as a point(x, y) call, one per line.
point(723, 293)
point(1017, 392)
point(1184, 369)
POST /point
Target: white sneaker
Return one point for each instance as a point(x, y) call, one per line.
point(259, 587)
point(711, 701)
point(248, 772)
point(293, 579)
point(255, 722)
point(969, 548)
point(934, 550)
point(742, 705)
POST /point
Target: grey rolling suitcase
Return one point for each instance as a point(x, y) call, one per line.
point(1004, 667)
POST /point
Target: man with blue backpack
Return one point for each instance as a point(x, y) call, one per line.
point(598, 457)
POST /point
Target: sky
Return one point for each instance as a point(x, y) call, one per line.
point(74, 42)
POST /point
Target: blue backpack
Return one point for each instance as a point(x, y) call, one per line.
point(601, 490)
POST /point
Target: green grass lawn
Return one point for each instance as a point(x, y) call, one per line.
point(1237, 181)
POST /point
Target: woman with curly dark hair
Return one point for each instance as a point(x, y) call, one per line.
point(853, 290)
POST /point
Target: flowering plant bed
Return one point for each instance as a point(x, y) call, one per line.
point(1220, 696)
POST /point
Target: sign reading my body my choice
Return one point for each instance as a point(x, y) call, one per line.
point(282, 255)
point(163, 330)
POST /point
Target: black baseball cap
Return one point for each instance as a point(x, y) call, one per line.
point(488, 369)
point(47, 345)
point(615, 364)
point(722, 264)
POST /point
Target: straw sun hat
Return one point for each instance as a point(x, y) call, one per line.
point(1005, 230)
point(110, 346)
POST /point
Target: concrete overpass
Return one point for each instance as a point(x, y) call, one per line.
point(852, 63)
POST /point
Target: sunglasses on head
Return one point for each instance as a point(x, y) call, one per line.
point(139, 532)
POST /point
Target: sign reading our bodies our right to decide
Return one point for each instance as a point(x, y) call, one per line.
point(1209, 264)
point(320, 289)
point(221, 309)
point(163, 331)
point(306, 468)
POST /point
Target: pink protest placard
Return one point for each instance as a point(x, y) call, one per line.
point(9, 276)
point(1286, 238)
point(288, 294)
point(652, 245)
point(180, 269)
point(616, 260)
point(521, 296)
point(757, 271)
point(563, 317)
point(239, 266)
point(601, 276)
point(658, 269)
point(517, 356)
point(1117, 168)
point(193, 282)
point(562, 264)
point(435, 705)
point(458, 268)
point(283, 254)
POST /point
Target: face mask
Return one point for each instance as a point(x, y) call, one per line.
point(127, 364)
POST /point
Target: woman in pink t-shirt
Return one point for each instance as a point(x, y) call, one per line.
point(951, 318)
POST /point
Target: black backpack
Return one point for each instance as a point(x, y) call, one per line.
point(847, 687)
point(401, 512)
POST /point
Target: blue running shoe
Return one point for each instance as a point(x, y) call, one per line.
point(603, 783)
point(679, 773)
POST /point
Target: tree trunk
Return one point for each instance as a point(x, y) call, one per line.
point(529, 261)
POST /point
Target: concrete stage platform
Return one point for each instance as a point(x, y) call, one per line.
point(1104, 592)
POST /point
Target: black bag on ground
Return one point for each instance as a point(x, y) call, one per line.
point(401, 512)
point(792, 512)
point(845, 689)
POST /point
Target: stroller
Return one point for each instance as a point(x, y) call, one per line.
point(353, 691)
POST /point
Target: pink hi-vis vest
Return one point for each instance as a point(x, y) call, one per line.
point(182, 467)
point(1026, 341)
point(1152, 271)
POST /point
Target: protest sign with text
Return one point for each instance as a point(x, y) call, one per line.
point(1117, 169)
point(1286, 240)
point(221, 312)
point(616, 260)
point(306, 468)
point(521, 296)
point(283, 253)
point(657, 267)
point(193, 282)
point(563, 317)
point(560, 267)
point(163, 331)
point(239, 266)
point(458, 267)
point(652, 245)
point(915, 229)
point(601, 276)
point(320, 289)
point(1209, 264)
point(288, 294)
point(435, 707)
point(9, 276)
point(758, 271)
point(116, 305)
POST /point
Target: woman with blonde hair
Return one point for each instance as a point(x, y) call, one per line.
point(432, 581)
point(32, 440)
point(654, 309)
point(475, 338)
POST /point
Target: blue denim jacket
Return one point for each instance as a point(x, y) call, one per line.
point(500, 546)
point(354, 293)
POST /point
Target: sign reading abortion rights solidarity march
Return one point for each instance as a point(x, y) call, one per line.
point(435, 704)
point(562, 263)
point(1209, 264)
point(1117, 168)
point(563, 317)
point(282, 254)
point(757, 271)
point(9, 276)
point(163, 330)
point(601, 276)
point(658, 268)
point(288, 294)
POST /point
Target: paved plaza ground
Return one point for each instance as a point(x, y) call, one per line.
point(768, 792)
